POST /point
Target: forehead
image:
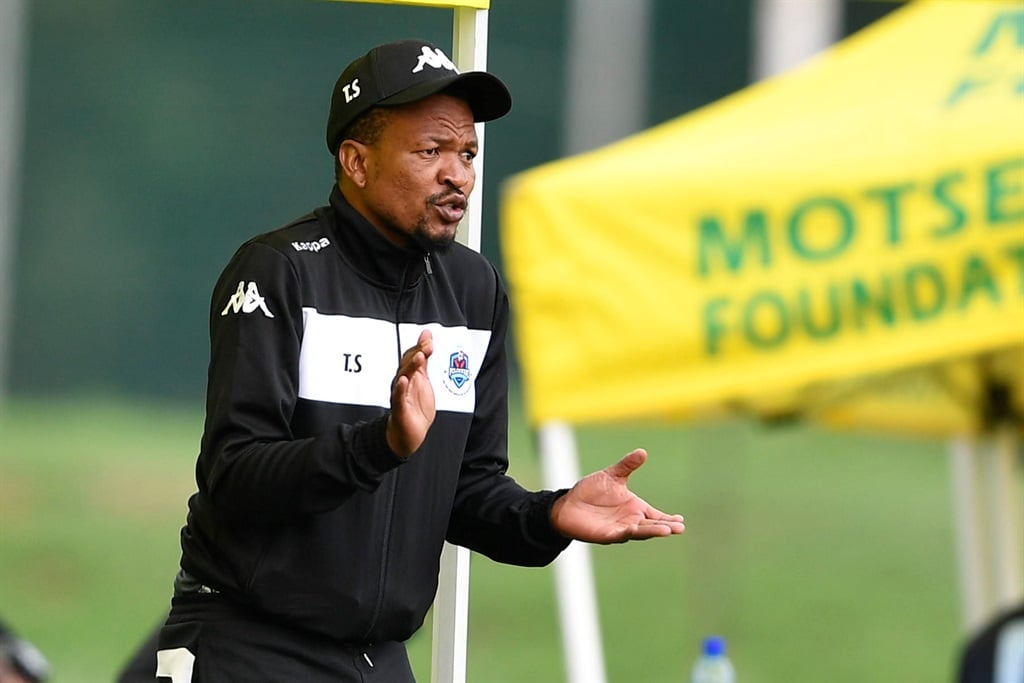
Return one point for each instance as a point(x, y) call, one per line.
point(432, 116)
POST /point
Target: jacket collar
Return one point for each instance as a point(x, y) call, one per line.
point(369, 252)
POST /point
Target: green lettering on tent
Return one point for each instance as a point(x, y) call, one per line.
point(1011, 22)
point(1016, 253)
point(926, 291)
point(977, 277)
point(807, 314)
point(890, 198)
point(1005, 192)
point(715, 246)
point(957, 215)
point(879, 303)
point(963, 87)
point(1008, 23)
point(830, 207)
point(766, 305)
point(714, 328)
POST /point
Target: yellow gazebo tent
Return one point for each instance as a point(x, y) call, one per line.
point(782, 250)
point(858, 215)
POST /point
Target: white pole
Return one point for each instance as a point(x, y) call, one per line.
point(606, 97)
point(574, 576)
point(451, 604)
point(786, 32)
point(968, 525)
point(606, 72)
point(451, 617)
point(469, 52)
point(13, 22)
point(1006, 513)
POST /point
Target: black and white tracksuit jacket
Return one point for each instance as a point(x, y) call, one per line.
point(302, 512)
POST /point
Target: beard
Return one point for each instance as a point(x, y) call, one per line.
point(439, 244)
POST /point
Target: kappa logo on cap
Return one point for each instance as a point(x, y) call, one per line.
point(434, 58)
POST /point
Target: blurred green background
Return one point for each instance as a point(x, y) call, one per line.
point(158, 136)
point(821, 557)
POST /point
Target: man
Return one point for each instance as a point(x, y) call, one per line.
point(357, 407)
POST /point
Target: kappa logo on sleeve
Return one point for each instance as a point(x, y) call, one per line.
point(247, 299)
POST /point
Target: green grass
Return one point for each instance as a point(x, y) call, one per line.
point(820, 556)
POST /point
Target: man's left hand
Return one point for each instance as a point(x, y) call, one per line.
point(600, 508)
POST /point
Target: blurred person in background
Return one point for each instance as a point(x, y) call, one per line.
point(357, 407)
point(20, 660)
point(995, 653)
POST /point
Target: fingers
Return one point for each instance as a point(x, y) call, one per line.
point(675, 523)
point(415, 358)
point(419, 353)
point(630, 463)
point(651, 527)
point(412, 399)
point(646, 530)
point(426, 342)
point(398, 389)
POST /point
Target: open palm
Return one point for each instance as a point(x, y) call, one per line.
point(600, 508)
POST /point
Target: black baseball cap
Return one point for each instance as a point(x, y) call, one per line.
point(407, 71)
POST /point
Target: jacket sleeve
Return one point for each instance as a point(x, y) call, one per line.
point(493, 514)
point(250, 461)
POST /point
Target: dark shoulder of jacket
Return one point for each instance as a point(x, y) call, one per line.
point(300, 237)
point(304, 234)
point(475, 282)
point(288, 243)
point(469, 271)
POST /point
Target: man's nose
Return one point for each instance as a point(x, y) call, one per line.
point(458, 173)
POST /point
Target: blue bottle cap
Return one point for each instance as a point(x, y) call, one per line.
point(714, 646)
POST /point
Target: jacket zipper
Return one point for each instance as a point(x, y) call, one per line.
point(378, 606)
point(393, 489)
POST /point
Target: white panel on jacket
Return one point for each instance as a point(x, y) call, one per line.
point(351, 360)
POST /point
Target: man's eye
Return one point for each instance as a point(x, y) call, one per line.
point(469, 156)
point(431, 152)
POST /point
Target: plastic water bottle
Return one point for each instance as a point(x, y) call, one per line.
point(713, 666)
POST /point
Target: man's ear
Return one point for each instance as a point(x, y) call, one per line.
point(352, 157)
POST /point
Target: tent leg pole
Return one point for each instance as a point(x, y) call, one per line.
point(574, 576)
point(787, 32)
point(451, 617)
point(967, 526)
point(1007, 516)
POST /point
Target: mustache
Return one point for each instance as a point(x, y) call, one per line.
point(454, 198)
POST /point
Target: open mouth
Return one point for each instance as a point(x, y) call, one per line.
point(452, 209)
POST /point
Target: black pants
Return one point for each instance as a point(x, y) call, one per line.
point(202, 645)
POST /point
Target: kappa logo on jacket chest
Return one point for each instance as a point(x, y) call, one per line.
point(314, 246)
point(247, 299)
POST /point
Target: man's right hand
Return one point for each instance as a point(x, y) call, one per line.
point(412, 399)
